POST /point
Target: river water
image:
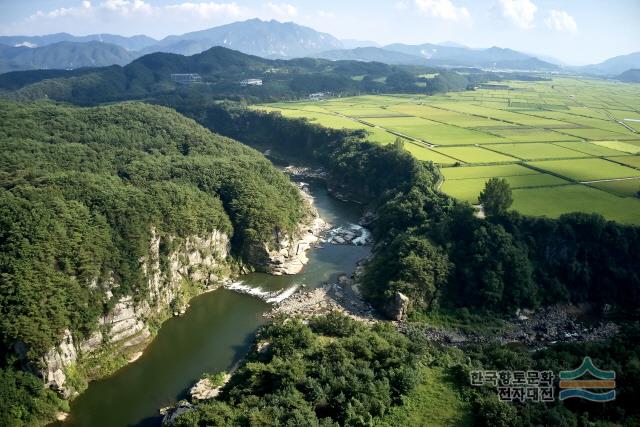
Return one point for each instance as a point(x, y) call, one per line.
point(213, 335)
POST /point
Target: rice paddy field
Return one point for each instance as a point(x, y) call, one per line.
point(564, 145)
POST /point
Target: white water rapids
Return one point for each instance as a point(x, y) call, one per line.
point(271, 297)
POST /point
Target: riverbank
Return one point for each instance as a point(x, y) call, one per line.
point(343, 296)
point(214, 333)
point(533, 329)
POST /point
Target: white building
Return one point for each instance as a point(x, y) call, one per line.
point(251, 82)
point(186, 78)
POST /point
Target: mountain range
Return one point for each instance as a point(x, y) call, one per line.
point(63, 55)
point(273, 40)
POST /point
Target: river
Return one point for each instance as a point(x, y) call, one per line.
point(213, 335)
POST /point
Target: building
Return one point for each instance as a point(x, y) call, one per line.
point(317, 96)
point(251, 82)
point(186, 78)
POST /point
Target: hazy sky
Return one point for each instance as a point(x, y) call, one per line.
point(575, 31)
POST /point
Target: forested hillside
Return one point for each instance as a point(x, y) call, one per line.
point(80, 191)
point(221, 71)
point(433, 248)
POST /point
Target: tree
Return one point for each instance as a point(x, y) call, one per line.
point(496, 197)
point(398, 144)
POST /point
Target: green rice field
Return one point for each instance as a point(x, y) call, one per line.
point(562, 144)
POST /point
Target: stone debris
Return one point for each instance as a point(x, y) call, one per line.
point(171, 413)
point(343, 296)
point(206, 390)
point(539, 329)
point(351, 234)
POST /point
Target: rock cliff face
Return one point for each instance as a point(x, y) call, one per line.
point(173, 276)
point(290, 252)
point(196, 259)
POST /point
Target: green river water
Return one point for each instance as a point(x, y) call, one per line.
point(213, 335)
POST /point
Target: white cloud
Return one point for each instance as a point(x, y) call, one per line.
point(519, 12)
point(132, 17)
point(443, 9)
point(205, 10)
point(283, 10)
point(323, 14)
point(560, 20)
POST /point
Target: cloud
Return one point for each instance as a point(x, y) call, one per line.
point(283, 10)
point(560, 20)
point(519, 12)
point(443, 9)
point(205, 10)
point(323, 14)
point(132, 16)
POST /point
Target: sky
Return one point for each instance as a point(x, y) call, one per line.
point(576, 32)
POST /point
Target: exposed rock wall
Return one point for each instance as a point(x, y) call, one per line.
point(201, 259)
point(290, 252)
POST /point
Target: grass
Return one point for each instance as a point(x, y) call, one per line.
point(626, 188)
point(530, 134)
point(469, 189)
point(486, 171)
point(432, 132)
point(531, 151)
point(425, 154)
point(435, 402)
point(471, 154)
point(555, 201)
point(586, 169)
point(629, 160)
point(620, 146)
point(565, 127)
point(590, 148)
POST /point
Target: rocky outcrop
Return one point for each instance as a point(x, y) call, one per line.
point(398, 307)
point(170, 414)
point(536, 330)
point(287, 253)
point(343, 297)
point(205, 389)
point(196, 259)
point(57, 360)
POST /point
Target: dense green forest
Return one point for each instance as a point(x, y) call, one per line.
point(222, 70)
point(80, 190)
point(433, 248)
point(336, 371)
point(333, 371)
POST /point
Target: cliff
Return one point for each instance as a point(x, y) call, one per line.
point(287, 253)
point(197, 264)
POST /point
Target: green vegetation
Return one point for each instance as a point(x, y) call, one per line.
point(535, 123)
point(620, 354)
point(222, 69)
point(434, 249)
point(496, 197)
point(334, 371)
point(80, 191)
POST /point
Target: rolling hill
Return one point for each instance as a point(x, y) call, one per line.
point(132, 43)
point(614, 66)
point(454, 56)
point(63, 55)
point(630, 76)
point(372, 54)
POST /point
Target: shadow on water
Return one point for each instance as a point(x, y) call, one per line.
point(213, 335)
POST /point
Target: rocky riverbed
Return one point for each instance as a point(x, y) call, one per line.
point(547, 326)
point(344, 296)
